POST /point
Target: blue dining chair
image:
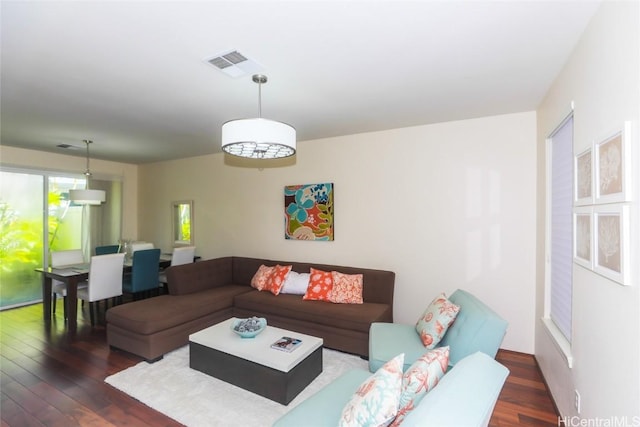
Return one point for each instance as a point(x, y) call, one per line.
point(145, 271)
point(108, 249)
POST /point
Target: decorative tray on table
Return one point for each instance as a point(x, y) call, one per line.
point(249, 328)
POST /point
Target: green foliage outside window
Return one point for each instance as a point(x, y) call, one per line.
point(21, 246)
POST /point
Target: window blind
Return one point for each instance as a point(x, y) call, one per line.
point(561, 227)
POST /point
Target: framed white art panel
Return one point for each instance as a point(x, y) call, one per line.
point(613, 166)
point(611, 242)
point(583, 178)
point(583, 236)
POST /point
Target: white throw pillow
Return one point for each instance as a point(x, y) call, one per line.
point(295, 283)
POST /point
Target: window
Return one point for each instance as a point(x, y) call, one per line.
point(560, 235)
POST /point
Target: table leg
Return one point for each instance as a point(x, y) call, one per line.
point(46, 299)
point(72, 302)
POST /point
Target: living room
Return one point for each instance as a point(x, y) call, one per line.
point(458, 204)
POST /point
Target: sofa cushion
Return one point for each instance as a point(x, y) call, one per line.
point(419, 379)
point(320, 285)
point(295, 283)
point(386, 339)
point(356, 317)
point(378, 284)
point(156, 314)
point(325, 406)
point(347, 288)
point(435, 320)
point(375, 403)
point(477, 328)
point(198, 276)
point(260, 279)
point(466, 395)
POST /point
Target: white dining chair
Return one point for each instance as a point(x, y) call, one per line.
point(105, 281)
point(140, 246)
point(61, 259)
point(181, 255)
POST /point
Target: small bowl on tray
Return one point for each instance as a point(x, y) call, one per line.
point(249, 328)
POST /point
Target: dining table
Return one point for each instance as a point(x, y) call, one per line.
point(72, 275)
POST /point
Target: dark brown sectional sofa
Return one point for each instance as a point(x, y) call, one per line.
point(207, 292)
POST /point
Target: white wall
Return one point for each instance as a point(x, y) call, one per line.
point(603, 78)
point(32, 159)
point(445, 206)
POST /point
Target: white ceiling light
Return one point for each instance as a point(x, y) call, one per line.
point(87, 196)
point(258, 138)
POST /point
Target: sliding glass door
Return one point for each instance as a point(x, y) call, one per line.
point(21, 237)
point(29, 230)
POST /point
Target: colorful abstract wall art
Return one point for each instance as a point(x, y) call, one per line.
point(308, 212)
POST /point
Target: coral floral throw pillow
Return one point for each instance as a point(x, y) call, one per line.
point(320, 285)
point(435, 320)
point(277, 278)
point(347, 288)
point(259, 280)
point(422, 376)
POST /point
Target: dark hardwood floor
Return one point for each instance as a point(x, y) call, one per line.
point(53, 378)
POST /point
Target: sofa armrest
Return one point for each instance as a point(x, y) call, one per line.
point(465, 396)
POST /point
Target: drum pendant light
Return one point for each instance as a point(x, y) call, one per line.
point(258, 138)
point(87, 196)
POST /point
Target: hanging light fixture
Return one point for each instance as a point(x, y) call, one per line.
point(258, 138)
point(87, 196)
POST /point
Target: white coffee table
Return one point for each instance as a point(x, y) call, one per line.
point(252, 364)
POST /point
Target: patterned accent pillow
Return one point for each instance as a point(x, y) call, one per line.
point(435, 320)
point(422, 376)
point(376, 401)
point(295, 283)
point(347, 288)
point(259, 279)
point(277, 278)
point(320, 285)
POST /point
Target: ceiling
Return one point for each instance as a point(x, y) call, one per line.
point(134, 78)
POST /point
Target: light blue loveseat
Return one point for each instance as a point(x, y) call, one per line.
point(465, 396)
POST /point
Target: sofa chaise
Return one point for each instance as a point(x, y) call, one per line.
point(207, 292)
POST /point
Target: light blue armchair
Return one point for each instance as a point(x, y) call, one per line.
point(476, 328)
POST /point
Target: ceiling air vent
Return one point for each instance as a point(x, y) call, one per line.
point(235, 64)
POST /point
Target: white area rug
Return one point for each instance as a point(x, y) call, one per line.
point(196, 399)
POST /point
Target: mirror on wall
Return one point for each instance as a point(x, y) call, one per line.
point(182, 223)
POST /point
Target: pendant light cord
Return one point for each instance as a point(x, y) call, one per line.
point(87, 173)
point(260, 99)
